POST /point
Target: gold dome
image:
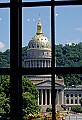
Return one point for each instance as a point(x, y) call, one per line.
point(39, 40)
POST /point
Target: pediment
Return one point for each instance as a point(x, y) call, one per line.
point(44, 83)
point(47, 83)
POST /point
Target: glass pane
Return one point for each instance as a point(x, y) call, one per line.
point(4, 38)
point(68, 34)
point(4, 97)
point(34, 0)
point(36, 42)
point(71, 90)
point(65, 0)
point(4, 1)
point(38, 97)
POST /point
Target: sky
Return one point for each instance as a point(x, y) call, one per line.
point(68, 24)
point(4, 29)
point(30, 21)
point(4, 1)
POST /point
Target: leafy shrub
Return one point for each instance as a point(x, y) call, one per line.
point(77, 109)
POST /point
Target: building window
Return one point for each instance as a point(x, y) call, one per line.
point(32, 45)
point(75, 101)
point(37, 45)
point(67, 95)
point(75, 95)
point(79, 95)
point(37, 63)
point(71, 95)
point(31, 63)
point(67, 101)
point(71, 101)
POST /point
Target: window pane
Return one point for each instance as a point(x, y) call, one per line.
point(64, 0)
point(68, 34)
point(36, 37)
point(36, 90)
point(4, 1)
point(72, 86)
point(4, 38)
point(34, 0)
point(5, 97)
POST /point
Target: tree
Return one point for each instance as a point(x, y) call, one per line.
point(4, 95)
point(30, 97)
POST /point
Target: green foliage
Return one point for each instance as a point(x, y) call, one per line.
point(69, 55)
point(77, 109)
point(30, 97)
point(72, 79)
point(66, 56)
point(4, 95)
point(5, 59)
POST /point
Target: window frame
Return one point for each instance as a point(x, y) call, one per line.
point(16, 71)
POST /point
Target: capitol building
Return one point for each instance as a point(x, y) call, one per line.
point(39, 56)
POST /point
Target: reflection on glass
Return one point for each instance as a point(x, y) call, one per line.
point(68, 34)
point(4, 38)
point(5, 97)
point(37, 53)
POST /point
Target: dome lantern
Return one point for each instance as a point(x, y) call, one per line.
point(39, 27)
point(39, 41)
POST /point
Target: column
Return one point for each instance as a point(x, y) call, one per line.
point(38, 99)
point(30, 63)
point(69, 99)
point(65, 99)
point(57, 97)
point(42, 63)
point(62, 96)
point(48, 63)
point(41, 96)
point(35, 63)
point(45, 63)
point(49, 96)
point(45, 96)
point(78, 99)
point(39, 64)
point(73, 98)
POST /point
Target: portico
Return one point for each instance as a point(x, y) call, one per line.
point(44, 98)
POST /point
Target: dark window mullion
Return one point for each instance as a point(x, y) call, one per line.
point(15, 95)
point(53, 62)
point(20, 59)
